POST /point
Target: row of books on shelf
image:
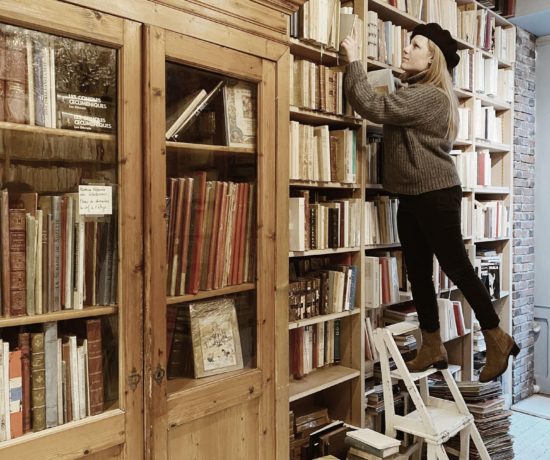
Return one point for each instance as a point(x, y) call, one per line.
point(474, 168)
point(451, 319)
point(488, 266)
point(41, 85)
point(386, 40)
point(492, 81)
point(381, 220)
point(463, 73)
point(50, 376)
point(491, 219)
point(326, 23)
point(313, 347)
point(320, 154)
point(210, 233)
point(55, 255)
point(322, 224)
point(384, 276)
point(318, 87)
point(331, 290)
point(487, 124)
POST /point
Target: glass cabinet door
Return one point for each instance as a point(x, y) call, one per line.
point(63, 206)
point(210, 305)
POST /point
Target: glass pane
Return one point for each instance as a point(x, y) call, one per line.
point(211, 222)
point(59, 228)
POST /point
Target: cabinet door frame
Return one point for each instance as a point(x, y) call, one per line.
point(118, 431)
point(200, 399)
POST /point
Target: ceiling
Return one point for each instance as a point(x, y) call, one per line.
point(533, 16)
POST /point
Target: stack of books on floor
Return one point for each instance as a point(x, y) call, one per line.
point(368, 444)
point(491, 418)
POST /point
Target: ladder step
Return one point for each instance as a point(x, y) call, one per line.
point(420, 375)
point(447, 423)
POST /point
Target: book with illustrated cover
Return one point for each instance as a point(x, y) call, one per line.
point(215, 337)
point(240, 114)
point(85, 85)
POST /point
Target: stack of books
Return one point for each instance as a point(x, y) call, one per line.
point(369, 444)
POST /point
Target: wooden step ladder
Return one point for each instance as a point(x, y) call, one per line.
point(435, 420)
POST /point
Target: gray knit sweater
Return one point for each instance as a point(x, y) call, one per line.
point(414, 119)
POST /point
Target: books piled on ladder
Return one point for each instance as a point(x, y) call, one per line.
point(369, 444)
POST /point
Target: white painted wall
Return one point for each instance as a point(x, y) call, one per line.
point(542, 173)
point(524, 7)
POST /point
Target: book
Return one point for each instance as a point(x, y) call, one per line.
point(38, 382)
point(24, 346)
point(215, 337)
point(369, 441)
point(240, 114)
point(183, 111)
point(382, 81)
point(17, 247)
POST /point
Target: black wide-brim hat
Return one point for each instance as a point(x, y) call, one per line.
point(443, 39)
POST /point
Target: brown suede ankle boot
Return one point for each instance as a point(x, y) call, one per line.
point(499, 348)
point(431, 353)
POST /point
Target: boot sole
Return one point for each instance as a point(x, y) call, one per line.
point(514, 351)
point(438, 365)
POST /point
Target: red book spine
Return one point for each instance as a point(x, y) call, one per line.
point(95, 365)
point(197, 232)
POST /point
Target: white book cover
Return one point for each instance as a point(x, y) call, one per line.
point(373, 438)
point(69, 253)
point(297, 224)
point(50, 358)
point(53, 94)
point(73, 351)
point(60, 405)
point(38, 307)
point(81, 407)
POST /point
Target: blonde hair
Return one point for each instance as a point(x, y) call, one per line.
point(438, 75)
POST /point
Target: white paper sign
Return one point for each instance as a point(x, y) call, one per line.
point(95, 200)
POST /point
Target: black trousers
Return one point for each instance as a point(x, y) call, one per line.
point(429, 224)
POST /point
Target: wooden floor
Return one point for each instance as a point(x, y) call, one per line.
point(531, 437)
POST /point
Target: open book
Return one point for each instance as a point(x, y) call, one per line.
point(189, 108)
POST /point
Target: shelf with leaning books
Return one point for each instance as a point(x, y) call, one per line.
point(70, 287)
point(388, 12)
point(316, 53)
point(212, 293)
point(323, 252)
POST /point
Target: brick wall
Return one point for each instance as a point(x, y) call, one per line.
point(523, 277)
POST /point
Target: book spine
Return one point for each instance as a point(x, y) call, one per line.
point(38, 382)
point(95, 365)
point(5, 230)
point(18, 294)
point(24, 346)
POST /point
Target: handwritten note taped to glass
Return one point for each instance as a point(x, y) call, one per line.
point(95, 200)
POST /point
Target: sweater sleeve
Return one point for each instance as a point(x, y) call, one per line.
point(414, 105)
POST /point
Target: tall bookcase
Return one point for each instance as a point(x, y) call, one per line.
point(334, 384)
point(71, 242)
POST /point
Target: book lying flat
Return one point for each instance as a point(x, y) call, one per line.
point(371, 441)
point(381, 80)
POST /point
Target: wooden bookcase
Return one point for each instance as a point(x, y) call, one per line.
point(316, 387)
point(66, 158)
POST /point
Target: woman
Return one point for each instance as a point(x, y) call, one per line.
point(420, 123)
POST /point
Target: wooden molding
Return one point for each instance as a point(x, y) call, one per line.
point(286, 6)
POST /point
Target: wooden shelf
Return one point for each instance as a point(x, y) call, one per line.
point(86, 312)
point(462, 143)
point(503, 295)
point(186, 147)
point(322, 252)
point(36, 143)
point(376, 65)
point(463, 44)
point(492, 146)
point(322, 318)
point(462, 93)
point(501, 64)
point(375, 127)
point(382, 246)
point(490, 240)
point(316, 53)
point(320, 380)
point(178, 386)
point(319, 184)
point(374, 187)
point(492, 190)
point(312, 116)
point(214, 293)
point(386, 12)
point(492, 101)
